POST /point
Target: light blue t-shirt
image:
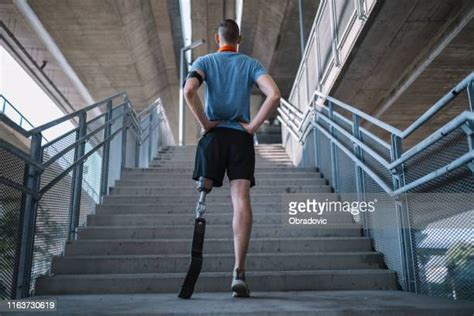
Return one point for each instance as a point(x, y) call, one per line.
point(229, 80)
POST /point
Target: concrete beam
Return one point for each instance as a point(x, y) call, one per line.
point(113, 46)
point(446, 35)
point(51, 46)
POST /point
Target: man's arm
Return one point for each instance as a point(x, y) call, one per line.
point(269, 88)
point(194, 103)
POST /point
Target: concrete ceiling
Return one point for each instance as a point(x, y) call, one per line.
point(133, 45)
point(117, 45)
point(393, 73)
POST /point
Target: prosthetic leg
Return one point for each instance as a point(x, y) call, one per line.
point(187, 288)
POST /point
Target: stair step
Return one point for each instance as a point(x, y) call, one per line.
point(191, 156)
point(258, 156)
point(211, 198)
point(182, 171)
point(277, 303)
point(181, 208)
point(190, 165)
point(187, 175)
point(188, 182)
point(179, 263)
point(191, 189)
point(145, 226)
point(215, 245)
point(216, 231)
point(191, 148)
point(373, 279)
point(211, 219)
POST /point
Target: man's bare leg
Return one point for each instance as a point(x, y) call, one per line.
point(242, 221)
point(242, 226)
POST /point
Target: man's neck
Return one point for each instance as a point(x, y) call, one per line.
point(227, 48)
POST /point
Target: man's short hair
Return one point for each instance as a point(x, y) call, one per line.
point(229, 31)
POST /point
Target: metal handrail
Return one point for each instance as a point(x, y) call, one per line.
point(69, 116)
point(13, 125)
point(356, 160)
point(448, 97)
point(389, 128)
point(292, 107)
point(363, 130)
point(82, 139)
point(79, 160)
point(37, 130)
point(300, 135)
point(10, 105)
point(22, 118)
point(35, 190)
point(19, 129)
point(440, 104)
point(356, 141)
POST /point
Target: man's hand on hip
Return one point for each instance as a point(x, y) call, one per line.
point(208, 126)
point(249, 127)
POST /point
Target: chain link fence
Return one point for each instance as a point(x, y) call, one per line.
point(12, 171)
point(425, 205)
point(48, 193)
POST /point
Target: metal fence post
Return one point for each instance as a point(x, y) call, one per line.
point(104, 181)
point(159, 137)
point(334, 171)
point(406, 251)
point(317, 157)
point(150, 137)
point(303, 153)
point(316, 148)
point(334, 27)
point(470, 95)
point(469, 127)
point(124, 136)
point(360, 187)
point(137, 151)
point(77, 176)
point(28, 220)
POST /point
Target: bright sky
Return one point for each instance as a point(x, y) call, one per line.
point(35, 105)
point(185, 8)
point(239, 12)
point(28, 97)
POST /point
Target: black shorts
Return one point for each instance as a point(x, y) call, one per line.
point(223, 149)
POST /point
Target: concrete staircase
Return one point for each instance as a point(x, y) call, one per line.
point(139, 239)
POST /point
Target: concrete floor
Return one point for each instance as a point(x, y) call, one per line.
point(332, 303)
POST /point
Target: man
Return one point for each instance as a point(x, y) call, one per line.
point(227, 131)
